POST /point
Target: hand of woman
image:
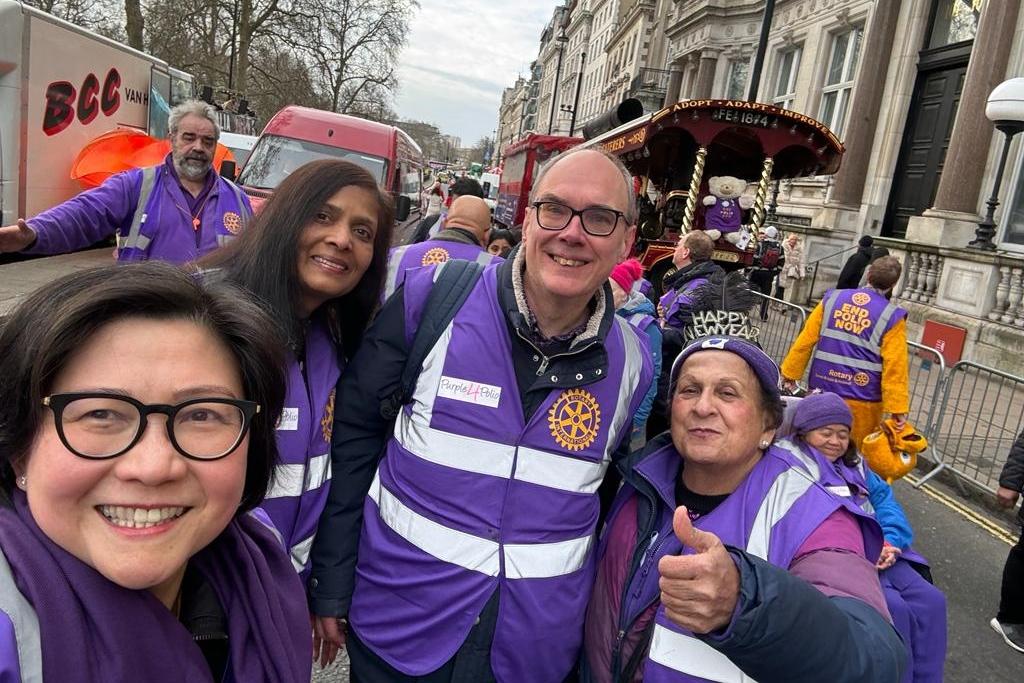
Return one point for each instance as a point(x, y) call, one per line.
point(328, 637)
point(888, 556)
point(699, 591)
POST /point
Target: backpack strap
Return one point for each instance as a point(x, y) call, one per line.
point(453, 281)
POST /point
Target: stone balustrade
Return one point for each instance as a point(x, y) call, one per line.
point(1008, 307)
point(921, 275)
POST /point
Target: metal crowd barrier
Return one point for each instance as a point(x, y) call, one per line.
point(926, 373)
point(780, 329)
point(979, 416)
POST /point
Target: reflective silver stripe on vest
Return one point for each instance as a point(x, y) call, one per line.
point(224, 239)
point(632, 367)
point(449, 545)
point(394, 261)
point(522, 561)
point(484, 258)
point(784, 492)
point(883, 322)
point(849, 362)
point(806, 460)
point(693, 657)
point(134, 240)
point(470, 454)
point(294, 480)
point(26, 625)
point(850, 338)
point(300, 553)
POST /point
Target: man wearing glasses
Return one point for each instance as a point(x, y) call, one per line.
point(474, 516)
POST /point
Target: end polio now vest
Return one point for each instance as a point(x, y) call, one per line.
point(471, 497)
point(429, 253)
point(770, 516)
point(848, 357)
point(298, 491)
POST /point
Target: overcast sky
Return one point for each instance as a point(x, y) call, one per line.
point(461, 54)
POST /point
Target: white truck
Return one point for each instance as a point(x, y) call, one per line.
point(60, 87)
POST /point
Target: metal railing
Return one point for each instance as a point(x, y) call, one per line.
point(926, 369)
point(980, 414)
point(651, 79)
point(780, 324)
point(816, 263)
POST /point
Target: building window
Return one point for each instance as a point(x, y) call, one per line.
point(838, 88)
point(1013, 217)
point(736, 85)
point(954, 21)
point(785, 80)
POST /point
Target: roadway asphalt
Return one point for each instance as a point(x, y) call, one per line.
point(967, 548)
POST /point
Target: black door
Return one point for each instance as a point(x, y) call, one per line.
point(925, 141)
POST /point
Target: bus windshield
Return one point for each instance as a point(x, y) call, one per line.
point(275, 157)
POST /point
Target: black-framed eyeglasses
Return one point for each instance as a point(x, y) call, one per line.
point(98, 426)
point(596, 220)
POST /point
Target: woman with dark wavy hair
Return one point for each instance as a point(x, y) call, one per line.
point(316, 256)
point(137, 414)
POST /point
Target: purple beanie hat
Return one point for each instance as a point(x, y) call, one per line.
point(819, 410)
point(764, 367)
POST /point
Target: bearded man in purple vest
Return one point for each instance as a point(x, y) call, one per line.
point(723, 559)
point(464, 236)
point(856, 342)
point(176, 211)
point(457, 544)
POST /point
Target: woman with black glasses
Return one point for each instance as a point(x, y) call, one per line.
point(137, 414)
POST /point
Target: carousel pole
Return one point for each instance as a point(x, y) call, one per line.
point(691, 198)
point(762, 194)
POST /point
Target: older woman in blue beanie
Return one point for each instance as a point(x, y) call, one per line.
point(723, 557)
point(821, 426)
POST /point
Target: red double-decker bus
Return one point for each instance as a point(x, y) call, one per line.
point(522, 161)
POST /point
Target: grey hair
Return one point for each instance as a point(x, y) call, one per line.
point(627, 177)
point(192, 108)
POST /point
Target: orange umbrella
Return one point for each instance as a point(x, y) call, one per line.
point(122, 149)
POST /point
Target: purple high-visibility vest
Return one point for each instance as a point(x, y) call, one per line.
point(849, 482)
point(675, 299)
point(471, 497)
point(769, 515)
point(848, 358)
point(429, 253)
point(641, 321)
point(301, 482)
point(148, 211)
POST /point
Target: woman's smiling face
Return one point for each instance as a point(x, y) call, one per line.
point(137, 518)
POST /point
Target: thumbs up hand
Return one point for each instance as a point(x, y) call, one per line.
point(699, 591)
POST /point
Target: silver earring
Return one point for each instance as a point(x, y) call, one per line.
point(765, 444)
point(22, 482)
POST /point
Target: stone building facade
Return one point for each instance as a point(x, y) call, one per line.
point(904, 85)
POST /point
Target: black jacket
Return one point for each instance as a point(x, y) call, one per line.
point(1012, 476)
point(361, 432)
point(853, 269)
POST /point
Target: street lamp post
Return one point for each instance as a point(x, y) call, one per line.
point(562, 40)
point(576, 97)
point(1005, 108)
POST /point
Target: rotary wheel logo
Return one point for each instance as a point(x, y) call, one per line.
point(327, 421)
point(574, 419)
point(861, 379)
point(435, 256)
point(861, 299)
point(232, 222)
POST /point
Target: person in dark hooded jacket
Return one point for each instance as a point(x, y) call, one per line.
point(1009, 622)
point(853, 269)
